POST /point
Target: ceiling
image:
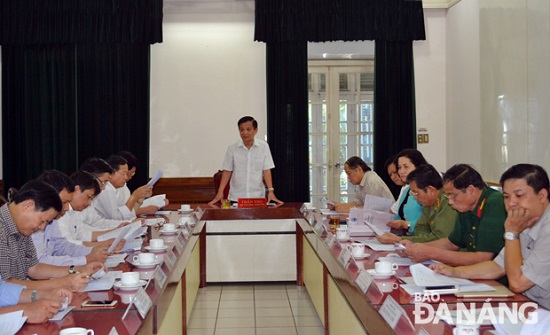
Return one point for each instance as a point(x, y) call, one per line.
point(208, 6)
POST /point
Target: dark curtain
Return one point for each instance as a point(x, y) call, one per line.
point(113, 102)
point(395, 113)
point(75, 82)
point(38, 111)
point(287, 119)
point(287, 25)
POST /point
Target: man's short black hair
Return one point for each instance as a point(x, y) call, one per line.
point(463, 175)
point(115, 161)
point(86, 181)
point(248, 119)
point(425, 175)
point(535, 176)
point(96, 166)
point(130, 158)
point(45, 197)
point(58, 180)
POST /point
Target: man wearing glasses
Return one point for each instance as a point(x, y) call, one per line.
point(438, 218)
point(479, 226)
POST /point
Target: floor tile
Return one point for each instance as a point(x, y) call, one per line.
point(307, 321)
point(236, 313)
point(305, 311)
point(275, 321)
point(270, 295)
point(269, 287)
point(209, 296)
point(311, 330)
point(237, 295)
point(200, 331)
point(235, 323)
point(272, 303)
point(202, 323)
point(301, 303)
point(237, 304)
point(204, 313)
point(276, 331)
point(235, 331)
point(273, 311)
point(206, 304)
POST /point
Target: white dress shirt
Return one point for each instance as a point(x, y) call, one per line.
point(111, 205)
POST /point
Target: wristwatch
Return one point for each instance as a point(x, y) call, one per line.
point(71, 269)
point(510, 236)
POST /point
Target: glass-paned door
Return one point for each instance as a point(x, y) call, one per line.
point(340, 125)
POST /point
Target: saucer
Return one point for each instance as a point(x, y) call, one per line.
point(186, 211)
point(138, 265)
point(347, 239)
point(122, 287)
point(365, 255)
point(149, 248)
point(375, 275)
point(173, 232)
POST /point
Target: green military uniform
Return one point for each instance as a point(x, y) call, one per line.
point(482, 228)
point(435, 222)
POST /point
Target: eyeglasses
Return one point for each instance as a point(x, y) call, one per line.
point(451, 197)
point(415, 194)
point(102, 182)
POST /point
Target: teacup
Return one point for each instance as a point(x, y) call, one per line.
point(76, 331)
point(129, 278)
point(383, 268)
point(144, 258)
point(386, 287)
point(156, 243)
point(357, 249)
point(342, 233)
point(185, 207)
point(466, 329)
point(169, 227)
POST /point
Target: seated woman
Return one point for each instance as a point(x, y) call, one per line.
point(406, 208)
point(391, 166)
point(369, 182)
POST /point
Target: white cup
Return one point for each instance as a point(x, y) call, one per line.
point(308, 205)
point(185, 207)
point(383, 268)
point(169, 227)
point(129, 278)
point(76, 331)
point(357, 249)
point(386, 287)
point(156, 243)
point(144, 258)
point(342, 233)
point(466, 329)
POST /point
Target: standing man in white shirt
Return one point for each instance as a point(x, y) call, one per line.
point(248, 165)
point(110, 203)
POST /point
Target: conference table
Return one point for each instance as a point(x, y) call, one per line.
point(347, 301)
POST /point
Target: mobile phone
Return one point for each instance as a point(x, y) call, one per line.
point(99, 303)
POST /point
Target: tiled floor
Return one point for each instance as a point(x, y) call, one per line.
point(254, 309)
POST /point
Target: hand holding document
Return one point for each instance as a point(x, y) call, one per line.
point(153, 180)
point(424, 276)
point(157, 201)
point(377, 203)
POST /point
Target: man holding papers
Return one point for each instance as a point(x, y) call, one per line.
point(32, 208)
point(110, 203)
point(479, 225)
point(359, 173)
point(525, 259)
point(438, 218)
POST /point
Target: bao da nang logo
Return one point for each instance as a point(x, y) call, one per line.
point(472, 313)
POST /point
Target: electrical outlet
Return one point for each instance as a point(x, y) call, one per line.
point(420, 138)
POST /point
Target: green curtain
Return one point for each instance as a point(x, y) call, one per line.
point(287, 119)
point(38, 104)
point(287, 25)
point(75, 82)
point(395, 113)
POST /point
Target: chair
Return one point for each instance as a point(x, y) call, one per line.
point(217, 181)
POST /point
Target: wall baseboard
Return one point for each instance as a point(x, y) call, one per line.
point(186, 190)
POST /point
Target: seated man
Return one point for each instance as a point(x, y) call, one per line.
point(51, 247)
point(110, 203)
point(479, 226)
point(37, 305)
point(71, 225)
point(524, 259)
point(125, 191)
point(34, 206)
point(102, 171)
point(438, 218)
point(359, 173)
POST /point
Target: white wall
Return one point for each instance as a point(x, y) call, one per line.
point(207, 73)
point(430, 82)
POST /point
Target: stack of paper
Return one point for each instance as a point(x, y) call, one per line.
point(157, 200)
point(128, 232)
point(102, 284)
point(12, 322)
